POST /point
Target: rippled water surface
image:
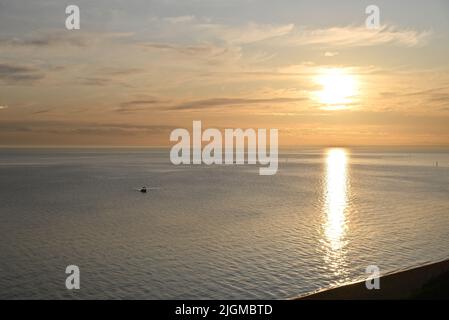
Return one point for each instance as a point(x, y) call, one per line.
point(218, 231)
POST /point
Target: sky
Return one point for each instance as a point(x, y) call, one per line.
point(136, 70)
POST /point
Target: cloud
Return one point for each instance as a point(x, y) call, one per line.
point(139, 105)
point(46, 40)
point(426, 91)
point(206, 52)
point(360, 36)
point(95, 81)
point(106, 76)
point(225, 102)
point(203, 49)
point(330, 53)
point(58, 39)
point(431, 97)
point(141, 102)
point(153, 103)
point(179, 19)
point(202, 29)
point(63, 127)
point(289, 34)
point(42, 111)
point(245, 34)
point(120, 71)
point(16, 74)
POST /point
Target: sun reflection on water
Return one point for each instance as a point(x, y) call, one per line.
point(335, 207)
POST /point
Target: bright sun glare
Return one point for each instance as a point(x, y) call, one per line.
point(339, 89)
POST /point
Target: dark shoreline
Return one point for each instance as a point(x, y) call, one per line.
point(429, 281)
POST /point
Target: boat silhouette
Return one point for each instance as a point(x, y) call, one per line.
point(145, 189)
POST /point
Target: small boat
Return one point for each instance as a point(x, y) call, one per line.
point(146, 189)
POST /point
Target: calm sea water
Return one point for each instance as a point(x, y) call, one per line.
point(219, 231)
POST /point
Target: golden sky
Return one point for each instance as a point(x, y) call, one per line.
point(138, 69)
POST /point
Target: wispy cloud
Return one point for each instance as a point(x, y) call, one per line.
point(246, 34)
point(291, 34)
point(18, 74)
point(95, 81)
point(179, 19)
point(359, 36)
point(42, 111)
point(44, 40)
point(53, 39)
point(194, 50)
point(205, 53)
point(139, 105)
point(120, 71)
point(65, 127)
point(226, 102)
point(331, 53)
point(161, 105)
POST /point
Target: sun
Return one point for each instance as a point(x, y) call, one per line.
point(339, 88)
